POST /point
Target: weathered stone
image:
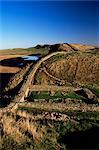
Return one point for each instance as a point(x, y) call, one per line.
point(87, 94)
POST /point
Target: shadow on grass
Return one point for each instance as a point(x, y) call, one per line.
point(82, 140)
point(6, 97)
point(4, 79)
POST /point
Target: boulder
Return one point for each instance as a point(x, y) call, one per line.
point(88, 95)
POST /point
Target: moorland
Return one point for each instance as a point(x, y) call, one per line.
point(49, 97)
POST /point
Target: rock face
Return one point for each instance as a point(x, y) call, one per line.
point(88, 95)
point(60, 47)
point(71, 47)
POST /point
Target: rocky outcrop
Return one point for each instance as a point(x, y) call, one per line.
point(88, 95)
point(71, 47)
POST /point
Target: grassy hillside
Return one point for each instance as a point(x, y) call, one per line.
point(33, 127)
point(74, 68)
point(61, 109)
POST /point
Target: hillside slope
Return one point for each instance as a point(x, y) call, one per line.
point(60, 101)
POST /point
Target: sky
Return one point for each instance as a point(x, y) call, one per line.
point(28, 23)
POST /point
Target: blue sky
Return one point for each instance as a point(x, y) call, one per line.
point(27, 23)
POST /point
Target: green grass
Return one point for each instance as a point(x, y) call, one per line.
point(84, 115)
point(45, 95)
point(65, 128)
point(8, 142)
point(57, 131)
point(78, 114)
point(49, 141)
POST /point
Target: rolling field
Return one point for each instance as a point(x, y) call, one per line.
point(52, 104)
